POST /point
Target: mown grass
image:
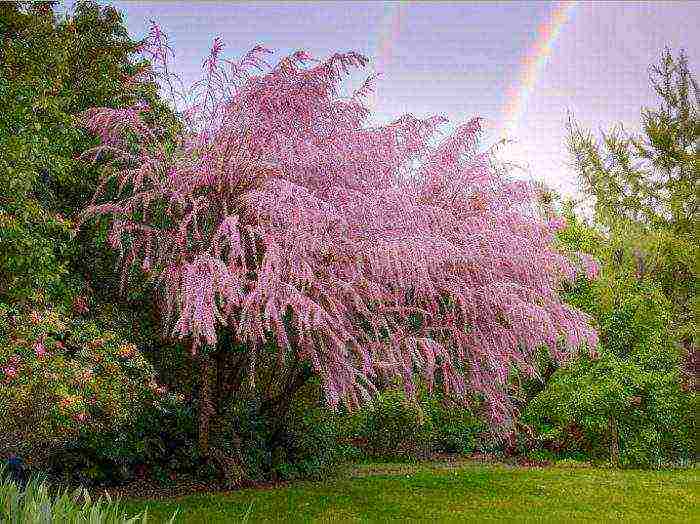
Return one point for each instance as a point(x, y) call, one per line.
point(453, 493)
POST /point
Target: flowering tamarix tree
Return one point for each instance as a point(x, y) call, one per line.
point(277, 214)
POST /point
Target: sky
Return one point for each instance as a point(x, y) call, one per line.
point(519, 65)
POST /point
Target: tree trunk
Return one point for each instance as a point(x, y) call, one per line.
point(205, 404)
point(614, 443)
point(278, 408)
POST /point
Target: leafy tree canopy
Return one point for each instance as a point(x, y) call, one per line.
point(51, 68)
point(645, 189)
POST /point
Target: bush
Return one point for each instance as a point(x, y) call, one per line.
point(305, 444)
point(160, 443)
point(62, 377)
point(630, 394)
point(395, 427)
point(455, 428)
point(34, 503)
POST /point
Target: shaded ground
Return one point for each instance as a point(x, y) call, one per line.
point(452, 492)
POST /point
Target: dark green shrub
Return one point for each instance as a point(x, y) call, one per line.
point(305, 444)
point(159, 444)
point(395, 427)
point(455, 428)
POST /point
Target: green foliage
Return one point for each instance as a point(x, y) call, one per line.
point(645, 191)
point(395, 427)
point(158, 443)
point(37, 502)
point(455, 428)
point(52, 67)
point(305, 444)
point(63, 375)
point(50, 71)
point(634, 383)
point(88, 380)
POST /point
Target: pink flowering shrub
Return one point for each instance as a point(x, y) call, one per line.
point(60, 376)
point(367, 252)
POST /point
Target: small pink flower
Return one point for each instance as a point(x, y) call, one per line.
point(557, 223)
point(80, 305)
point(81, 417)
point(39, 349)
point(85, 375)
point(97, 343)
point(590, 266)
point(10, 372)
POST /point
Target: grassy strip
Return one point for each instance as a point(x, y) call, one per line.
point(454, 493)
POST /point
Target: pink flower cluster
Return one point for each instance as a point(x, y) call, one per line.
point(40, 349)
point(281, 199)
point(557, 223)
point(10, 372)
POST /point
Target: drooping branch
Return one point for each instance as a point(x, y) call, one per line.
point(278, 199)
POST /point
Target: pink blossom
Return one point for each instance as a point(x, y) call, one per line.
point(283, 199)
point(97, 343)
point(10, 372)
point(590, 266)
point(557, 223)
point(80, 305)
point(39, 349)
point(85, 375)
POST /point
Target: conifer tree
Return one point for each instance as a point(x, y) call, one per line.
point(645, 190)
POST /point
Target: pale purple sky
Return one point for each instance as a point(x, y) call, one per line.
point(459, 59)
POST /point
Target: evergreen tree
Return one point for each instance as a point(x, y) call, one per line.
point(645, 191)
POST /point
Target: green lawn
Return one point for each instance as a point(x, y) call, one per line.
point(467, 492)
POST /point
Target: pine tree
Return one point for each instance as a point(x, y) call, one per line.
point(645, 191)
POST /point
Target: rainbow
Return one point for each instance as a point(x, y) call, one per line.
point(532, 66)
point(388, 35)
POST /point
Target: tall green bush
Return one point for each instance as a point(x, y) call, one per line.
point(62, 320)
point(628, 403)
